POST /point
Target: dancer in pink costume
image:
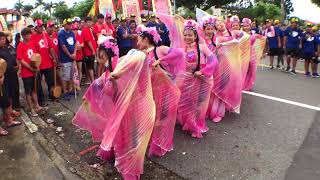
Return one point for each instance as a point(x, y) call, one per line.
point(216, 108)
point(196, 83)
point(119, 111)
point(166, 63)
point(252, 70)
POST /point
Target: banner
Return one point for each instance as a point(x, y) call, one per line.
point(162, 6)
point(107, 6)
point(200, 14)
point(3, 24)
point(131, 7)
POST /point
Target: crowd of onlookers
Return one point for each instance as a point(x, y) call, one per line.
point(72, 47)
point(62, 51)
point(290, 43)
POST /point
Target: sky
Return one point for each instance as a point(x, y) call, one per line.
point(304, 9)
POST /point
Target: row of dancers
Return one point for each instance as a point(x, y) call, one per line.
point(137, 102)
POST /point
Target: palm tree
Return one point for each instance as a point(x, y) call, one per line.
point(48, 7)
point(18, 6)
point(40, 4)
point(60, 3)
point(28, 8)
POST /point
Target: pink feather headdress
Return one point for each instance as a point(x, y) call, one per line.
point(109, 42)
point(234, 19)
point(246, 21)
point(191, 25)
point(209, 21)
point(150, 30)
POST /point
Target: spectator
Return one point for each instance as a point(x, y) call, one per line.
point(124, 38)
point(67, 51)
point(109, 24)
point(116, 24)
point(53, 39)
point(17, 40)
point(99, 28)
point(280, 32)
point(41, 39)
point(28, 73)
point(144, 21)
point(11, 81)
point(90, 47)
point(274, 41)
point(79, 48)
point(153, 22)
point(292, 43)
point(255, 27)
point(133, 32)
point(309, 51)
point(4, 99)
point(164, 33)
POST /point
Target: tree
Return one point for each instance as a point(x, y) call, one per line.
point(261, 11)
point(317, 2)
point(62, 12)
point(48, 7)
point(40, 15)
point(28, 8)
point(203, 4)
point(19, 6)
point(288, 6)
point(40, 4)
point(82, 8)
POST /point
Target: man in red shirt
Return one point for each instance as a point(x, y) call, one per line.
point(90, 47)
point(25, 51)
point(79, 47)
point(109, 25)
point(99, 28)
point(41, 39)
point(53, 39)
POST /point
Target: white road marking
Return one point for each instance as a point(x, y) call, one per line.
point(283, 100)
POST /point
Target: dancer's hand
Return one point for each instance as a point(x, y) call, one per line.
point(198, 73)
point(156, 63)
point(114, 76)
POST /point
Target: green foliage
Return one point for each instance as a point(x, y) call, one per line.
point(19, 6)
point(203, 4)
point(39, 15)
point(28, 8)
point(287, 4)
point(81, 9)
point(62, 12)
point(317, 2)
point(261, 11)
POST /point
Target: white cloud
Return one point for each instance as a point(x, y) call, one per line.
point(306, 10)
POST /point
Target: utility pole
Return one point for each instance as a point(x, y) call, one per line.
point(283, 10)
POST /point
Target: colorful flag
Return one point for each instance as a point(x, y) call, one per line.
point(107, 6)
point(162, 6)
point(130, 7)
point(95, 9)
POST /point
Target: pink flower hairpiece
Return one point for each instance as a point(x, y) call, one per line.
point(246, 21)
point(234, 19)
point(209, 21)
point(150, 30)
point(110, 43)
point(191, 25)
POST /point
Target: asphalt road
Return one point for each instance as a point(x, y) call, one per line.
point(269, 140)
point(261, 142)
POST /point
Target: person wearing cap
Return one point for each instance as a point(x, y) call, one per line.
point(124, 37)
point(25, 51)
point(273, 41)
point(109, 25)
point(41, 39)
point(53, 38)
point(67, 52)
point(144, 21)
point(280, 32)
point(99, 28)
point(255, 27)
point(153, 22)
point(79, 48)
point(90, 48)
point(309, 51)
point(164, 33)
point(292, 43)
